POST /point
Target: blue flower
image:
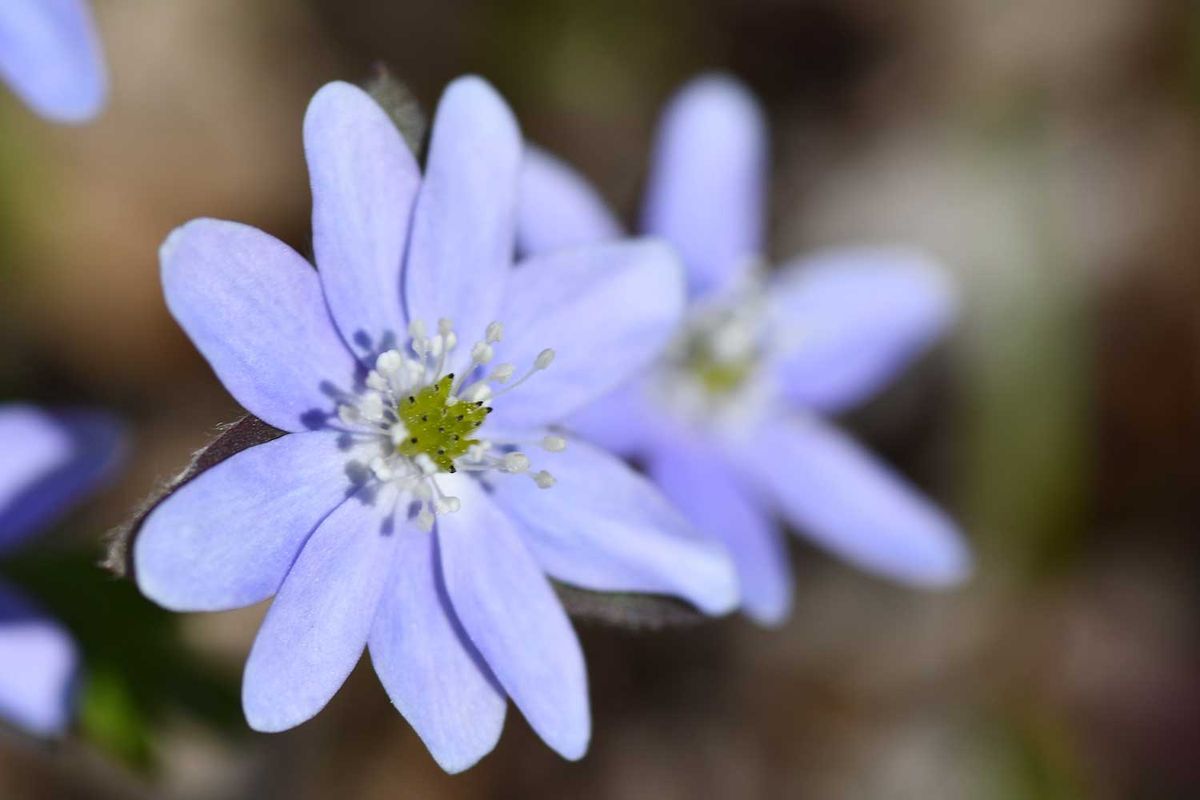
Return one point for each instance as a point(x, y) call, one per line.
point(50, 56)
point(727, 423)
point(50, 462)
point(420, 498)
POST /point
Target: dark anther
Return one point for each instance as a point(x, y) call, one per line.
point(412, 399)
point(453, 469)
point(488, 409)
point(441, 451)
point(424, 418)
point(441, 430)
point(413, 440)
point(459, 417)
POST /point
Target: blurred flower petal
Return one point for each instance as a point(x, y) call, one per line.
point(510, 612)
point(706, 489)
point(317, 626)
point(621, 421)
point(558, 208)
point(364, 182)
point(427, 664)
point(227, 538)
point(604, 527)
point(848, 320)
point(54, 459)
point(606, 310)
point(38, 663)
point(706, 191)
point(845, 500)
point(254, 308)
point(50, 55)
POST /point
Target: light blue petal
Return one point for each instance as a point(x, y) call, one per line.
point(513, 617)
point(50, 55)
point(847, 320)
point(52, 459)
point(430, 669)
point(845, 500)
point(607, 311)
point(698, 479)
point(317, 626)
point(464, 226)
point(364, 181)
point(558, 208)
point(707, 186)
point(624, 421)
point(254, 308)
point(227, 538)
point(604, 527)
point(38, 666)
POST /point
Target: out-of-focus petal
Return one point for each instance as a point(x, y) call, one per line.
point(464, 226)
point(513, 617)
point(254, 308)
point(707, 187)
point(50, 55)
point(427, 664)
point(52, 459)
point(607, 311)
point(317, 626)
point(848, 502)
point(846, 321)
point(38, 663)
point(622, 421)
point(696, 477)
point(228, 537)
point(602, 526)
point(364, 181)
point(558, 208)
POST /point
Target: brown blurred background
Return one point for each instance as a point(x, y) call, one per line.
point(1047, 150)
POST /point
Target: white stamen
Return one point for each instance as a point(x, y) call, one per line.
point(554, 443)
point(425, 520)
point(482, 353)
point(416, 330)
point(544, 359)
point(544, 479)
point(502, 373)
point(494, 331)
point(515, 462)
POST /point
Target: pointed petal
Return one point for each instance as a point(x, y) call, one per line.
point(364, 181)
point(50, 55)
point(849, 319)
point(316, 629)
point(847, 501)
point(56, 459)
point(228, 537)
point(38, 666)
point(254, 309)
point(707, 187)
point(513, 617)
point(705, 488)
point(606, 310)
point(602, 526)
point(464, 225)
point(558, 208)
point(431, 671)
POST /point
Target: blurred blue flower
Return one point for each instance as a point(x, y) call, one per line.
point(51, 461)
point(50, 55)
point(727, 423)
point(395, 428)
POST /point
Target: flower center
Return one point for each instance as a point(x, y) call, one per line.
point(440, 430)
point(429, 422)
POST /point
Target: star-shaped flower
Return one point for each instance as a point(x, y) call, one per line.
point(727, 423)
point(51, 460)
point(50, 56)
point(420, 497)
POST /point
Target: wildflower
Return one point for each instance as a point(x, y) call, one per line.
point(50, 462)
point(420, 496)
point(50, 56)
point(727, 422)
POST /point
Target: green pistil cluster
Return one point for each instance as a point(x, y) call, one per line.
point(438, 428)
point(718, 377)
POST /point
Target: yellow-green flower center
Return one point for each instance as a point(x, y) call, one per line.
point(719, 377)
point(437, 428)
